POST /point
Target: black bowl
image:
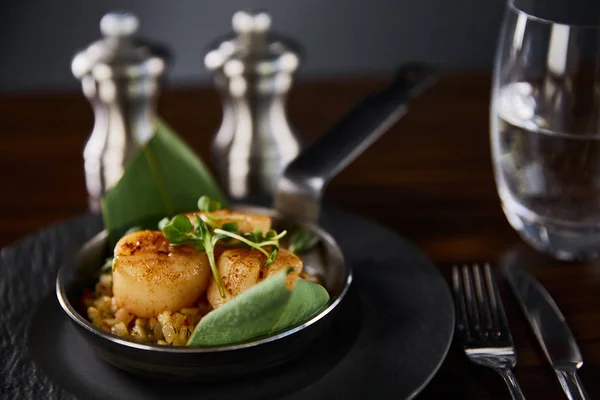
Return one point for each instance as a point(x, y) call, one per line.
point(207, 364)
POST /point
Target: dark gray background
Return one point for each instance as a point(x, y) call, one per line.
point(39, 38)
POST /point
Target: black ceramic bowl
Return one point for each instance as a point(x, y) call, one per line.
point(204, 363)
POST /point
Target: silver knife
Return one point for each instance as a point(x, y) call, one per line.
point(550, 328)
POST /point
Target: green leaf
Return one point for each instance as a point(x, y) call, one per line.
point(302, 241)
point(230, 227)
point(271, 257)
point(177, 230)
point(253, 237)
point(164, 177)
point(266, 308)
point(207, 204)
point(163, 222)
point(307, 299)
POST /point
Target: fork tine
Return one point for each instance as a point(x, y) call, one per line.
point(483, 300)
point(459, 301)
point(498, 315)
point(478, 306)
point(472, 310)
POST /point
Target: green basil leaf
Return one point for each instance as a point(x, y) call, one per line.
point(266, 308)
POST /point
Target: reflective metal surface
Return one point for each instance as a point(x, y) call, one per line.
point(482, 325)
point(337, 279)
point(253, 72)
point(550, 328)
point(206, 363)
point(120, 75)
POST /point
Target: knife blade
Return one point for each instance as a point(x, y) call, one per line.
point(550, 328)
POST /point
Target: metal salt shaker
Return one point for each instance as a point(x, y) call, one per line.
point(253, 71)
point(120, 75)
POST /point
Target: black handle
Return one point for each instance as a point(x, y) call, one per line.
point(300, 189)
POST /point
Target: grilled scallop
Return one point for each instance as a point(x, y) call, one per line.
point(242, 268)
point(150, 276)
point(246, 222)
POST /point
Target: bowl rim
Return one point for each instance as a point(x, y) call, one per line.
point(83, 322)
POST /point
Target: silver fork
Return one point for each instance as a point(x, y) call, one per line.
point(482, 324)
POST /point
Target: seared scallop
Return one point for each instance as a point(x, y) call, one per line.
point(242, 268)
point(246, 222)
point(150, 276)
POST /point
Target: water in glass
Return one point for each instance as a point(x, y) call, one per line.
point(545, 135)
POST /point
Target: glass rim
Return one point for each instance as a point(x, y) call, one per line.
point(512, 6)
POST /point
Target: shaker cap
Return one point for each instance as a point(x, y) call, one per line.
point(253, 48)
point(120, 53)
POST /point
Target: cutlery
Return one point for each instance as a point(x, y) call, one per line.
point(550, 328)
point(482, 325)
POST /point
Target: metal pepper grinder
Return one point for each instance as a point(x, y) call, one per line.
point(120, 75)
point(253, 71)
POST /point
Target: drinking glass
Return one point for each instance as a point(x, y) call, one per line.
point(545, 120)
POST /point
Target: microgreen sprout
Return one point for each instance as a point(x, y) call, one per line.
point(257, 241)
point(208, 206)
point(180, 230)
point(302, 241)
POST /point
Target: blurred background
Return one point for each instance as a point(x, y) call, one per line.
point(348, 37)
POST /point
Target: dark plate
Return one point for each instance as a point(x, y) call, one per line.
point(391, 336)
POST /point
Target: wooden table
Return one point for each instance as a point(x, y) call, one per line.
point(429, 179)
